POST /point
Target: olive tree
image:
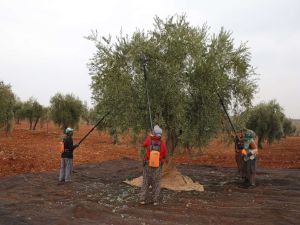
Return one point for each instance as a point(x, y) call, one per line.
point(269, 122)
point(7, 102)
point(32, 111)
point(186, 67)
point(65, 110)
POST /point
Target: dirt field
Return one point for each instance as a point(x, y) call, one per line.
point(29, 193)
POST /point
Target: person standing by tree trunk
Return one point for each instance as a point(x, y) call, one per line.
point(66, 165)
point(248, 162)
point(156, 153)
point(238, 147)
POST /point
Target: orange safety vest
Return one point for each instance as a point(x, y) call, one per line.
point(61, 147)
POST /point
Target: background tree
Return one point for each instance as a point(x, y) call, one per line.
point(85, 115)
point(38, 111)
point(186, 67)
point(269, 122)
point(289, 127)
point(65, 110)
point(296, 122)
point(45, 118)
point(18, 111)
point(7, 102)
point(28, 111)
point(33, 111)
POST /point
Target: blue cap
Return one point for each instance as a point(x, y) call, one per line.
point(68, 130)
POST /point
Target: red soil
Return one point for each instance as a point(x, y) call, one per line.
point(35, 151)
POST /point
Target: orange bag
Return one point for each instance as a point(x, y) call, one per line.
point(244, 152)
point(154, 159)
point(61, 147)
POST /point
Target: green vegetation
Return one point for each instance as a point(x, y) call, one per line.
point(65, 110)
point(7, 102)
point(296, 122)
point(186, 67)
point(32, 111)
point(269, 122)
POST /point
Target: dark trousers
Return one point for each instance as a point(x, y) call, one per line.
point(151, 176)
point(248, 171)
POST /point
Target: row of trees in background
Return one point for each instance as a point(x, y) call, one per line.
point(64, 110)
point(266, 119)
point(269, 122)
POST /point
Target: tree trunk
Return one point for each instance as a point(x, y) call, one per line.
point(172, 141)
point(30, 124)
point(259, 143)
point(36, 121)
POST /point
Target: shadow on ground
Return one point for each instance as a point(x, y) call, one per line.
point(98, 195)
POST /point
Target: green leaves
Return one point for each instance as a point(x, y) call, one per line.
point(7, 102)
point(186, 67)
point(65, 110)
point(32, 111)
point(269, 122)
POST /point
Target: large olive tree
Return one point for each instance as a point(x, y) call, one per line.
point(186, 67)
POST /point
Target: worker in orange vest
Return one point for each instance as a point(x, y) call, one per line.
point(156, 153)
point(238, 147)
point(248, 160)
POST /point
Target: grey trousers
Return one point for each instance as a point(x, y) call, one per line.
point(248, 171)
point(66, 166)
point(151, 176)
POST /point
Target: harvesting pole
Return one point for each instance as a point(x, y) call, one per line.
point(82, 139)
point(224, 108)
point(147, 91)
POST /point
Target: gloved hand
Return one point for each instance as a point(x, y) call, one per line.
point(249, 154)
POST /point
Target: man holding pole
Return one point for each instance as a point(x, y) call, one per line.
point(67, 154)
point(248, 160)
point(66, 164)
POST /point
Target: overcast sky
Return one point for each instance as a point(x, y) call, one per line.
point(43, 52)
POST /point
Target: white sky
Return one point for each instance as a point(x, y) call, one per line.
point(42, 49)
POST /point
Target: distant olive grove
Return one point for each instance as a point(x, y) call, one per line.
point(269, 122)
point(64, 110)
point(266, 119)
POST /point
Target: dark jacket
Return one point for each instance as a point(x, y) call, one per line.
point(68, 147)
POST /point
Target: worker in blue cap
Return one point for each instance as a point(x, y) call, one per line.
point(66, 165)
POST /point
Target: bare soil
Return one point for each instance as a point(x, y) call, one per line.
point(29, 194)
